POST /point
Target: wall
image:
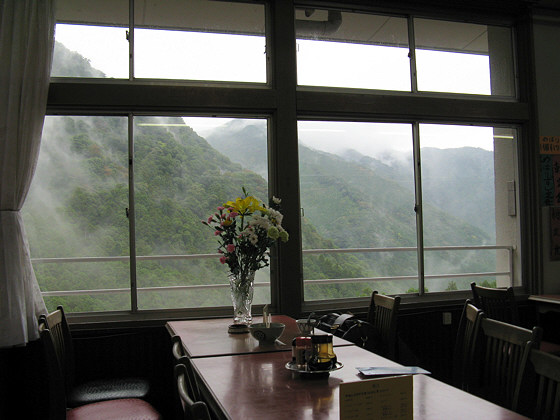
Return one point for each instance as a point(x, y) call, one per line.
point(547, 63)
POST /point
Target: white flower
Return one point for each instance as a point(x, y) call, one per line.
point(275, 215)
point(276, 200)
point(260, 221)
point(254, 239)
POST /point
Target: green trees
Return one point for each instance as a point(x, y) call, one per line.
point(79, 202)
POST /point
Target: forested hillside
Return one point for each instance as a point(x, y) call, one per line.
point(78, 206)
point(357, 201)
point(457, 181)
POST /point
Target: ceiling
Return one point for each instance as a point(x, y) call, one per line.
point(240, 18)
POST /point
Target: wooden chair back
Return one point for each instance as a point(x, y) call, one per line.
point(193, 410)
point(88, 391)
point(506, 353)
point(382, 314)
point(54, 378)
point(180, 357)
point(62, 339)
point(466, 346)
point(177, 348)
point(497, 303)
point(547, 370)
point(117, 409)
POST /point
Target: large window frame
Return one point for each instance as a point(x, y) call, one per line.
point(284, 102)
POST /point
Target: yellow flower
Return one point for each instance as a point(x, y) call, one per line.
point(247, 205)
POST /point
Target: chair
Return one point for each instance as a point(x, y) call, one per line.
point(465, 346)
point(92, 391)
point(547, 370)
point(500, 304)
point(497, 303)
point(181, 357)
point(193, 410)
point(382, 314)
point(117, 409)
point(177, 347)
point(503, 360)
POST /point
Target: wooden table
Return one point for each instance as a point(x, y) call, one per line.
point(209, 337)
point(258, 386)
point(545, 303)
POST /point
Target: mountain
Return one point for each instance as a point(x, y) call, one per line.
point(457, 181)
point(78, 206)
point(68, 63)
point(249, 136)
point(460, 182)
point(358, 201)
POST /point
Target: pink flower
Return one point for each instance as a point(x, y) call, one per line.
point(210, 219)
point(216, 233)
point(230, 247)
point(233, 215)
point(223, 259)
point(220, 208)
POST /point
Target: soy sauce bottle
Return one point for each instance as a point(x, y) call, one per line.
point(323, 353)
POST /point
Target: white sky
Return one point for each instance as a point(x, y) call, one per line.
point(201, 56)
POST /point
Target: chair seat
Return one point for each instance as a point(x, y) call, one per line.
point(124, 409)
point(108, 389)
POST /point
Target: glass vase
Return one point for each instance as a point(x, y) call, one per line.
point(242, 296)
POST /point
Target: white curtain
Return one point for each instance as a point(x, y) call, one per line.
point(26, 45)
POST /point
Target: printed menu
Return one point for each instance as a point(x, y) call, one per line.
point(382, 398)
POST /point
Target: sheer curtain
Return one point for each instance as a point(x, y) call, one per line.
point(26, 45)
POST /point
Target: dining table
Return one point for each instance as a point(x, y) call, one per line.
point(545, 303)
point(259, 385)
point(240, 379)
point(210, 337)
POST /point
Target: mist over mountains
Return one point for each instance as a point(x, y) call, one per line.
point(79, 198)
point(456, 181)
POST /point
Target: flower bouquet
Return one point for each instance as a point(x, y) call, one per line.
point(246, 229)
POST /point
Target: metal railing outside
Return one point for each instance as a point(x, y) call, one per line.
point(508, 273)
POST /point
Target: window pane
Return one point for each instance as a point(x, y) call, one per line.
point(90, 51)
point(357, 191)
point(200, 40)
point(341, 49)
point(75, 211)
point(463, 58)
point(467, 178)
point(180, 179)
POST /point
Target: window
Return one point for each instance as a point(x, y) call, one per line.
point(192, 40)
point(78, 209)
point(464, 58)
point(469, 207)
point(367, 51)
point(97, 34)
point(357, 189)
point(76, 214)
point(395, 150)
point(360, 228)
point(341, 49)
point(180, 179)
